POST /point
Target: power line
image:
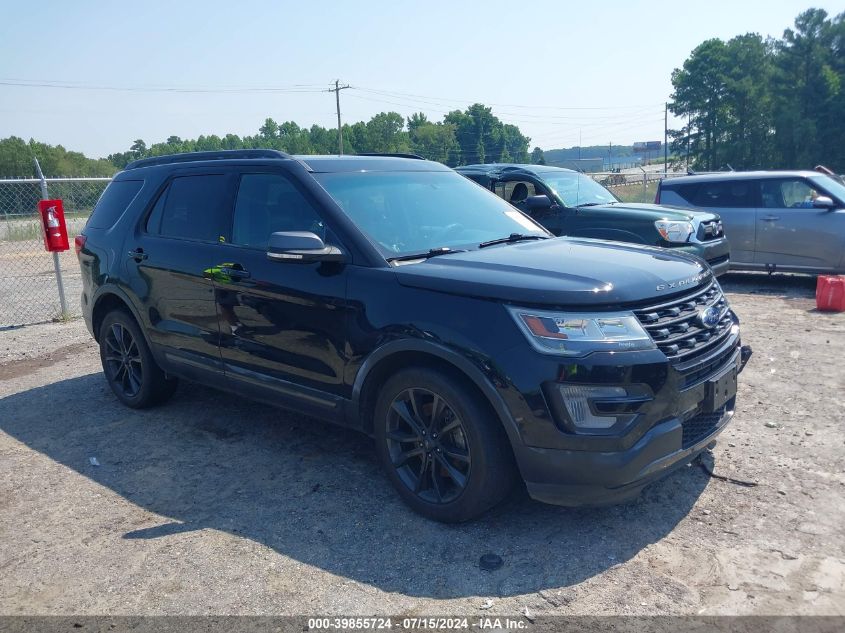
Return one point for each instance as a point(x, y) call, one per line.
point(506, 105)
point(175, 89)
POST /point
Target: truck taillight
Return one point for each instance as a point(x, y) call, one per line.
point(79, 243)
point(657, 195)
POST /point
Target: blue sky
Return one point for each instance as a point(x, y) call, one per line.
point(559, 70)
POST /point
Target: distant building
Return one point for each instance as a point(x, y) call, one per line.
point(580, 164)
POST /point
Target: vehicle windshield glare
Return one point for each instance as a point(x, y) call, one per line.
point(406, 212)
point(576, 189)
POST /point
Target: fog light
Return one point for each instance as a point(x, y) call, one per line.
point(577, 400)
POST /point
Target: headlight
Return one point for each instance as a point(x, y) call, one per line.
point(674, 231)
point(577, 334)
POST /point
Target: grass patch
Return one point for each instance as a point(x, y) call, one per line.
point(635, 193)
point(21, 232)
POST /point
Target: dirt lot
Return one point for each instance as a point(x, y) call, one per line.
point(207, 505)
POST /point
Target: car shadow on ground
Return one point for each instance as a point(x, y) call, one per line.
point(316, 494)
point(784, 285)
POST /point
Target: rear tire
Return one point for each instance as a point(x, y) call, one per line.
point(443, 448)
point(129, 366)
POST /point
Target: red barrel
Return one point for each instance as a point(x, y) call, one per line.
point(830, 293)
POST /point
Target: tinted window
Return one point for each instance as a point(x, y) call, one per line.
point(268, 203)
point(724, 194)
point(114, 201)
point(192, 208)
point(787, 193)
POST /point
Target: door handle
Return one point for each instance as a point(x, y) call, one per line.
point(235, 273)
point(138, 254)
point(770, 218)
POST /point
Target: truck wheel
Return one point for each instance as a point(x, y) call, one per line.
point(130, 368)
point(443, 449)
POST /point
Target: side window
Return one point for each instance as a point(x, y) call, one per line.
point(516, 191)
point(193, 208)
point(787, 193)
point(114, 201)
point(725, 194)
point(267, 203)
point(672, 193)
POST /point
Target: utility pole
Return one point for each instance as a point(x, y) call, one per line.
point(665, 137)
point(336, 90)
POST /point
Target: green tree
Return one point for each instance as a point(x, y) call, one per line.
point(434, 141)
point(538, 157)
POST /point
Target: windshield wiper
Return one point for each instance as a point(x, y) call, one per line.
point(513, 237)
point(591, 204)
point(432, 252)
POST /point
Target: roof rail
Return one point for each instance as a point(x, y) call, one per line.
point(391, 155)
point(189, 157)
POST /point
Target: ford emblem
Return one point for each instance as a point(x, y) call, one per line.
point(710, 317)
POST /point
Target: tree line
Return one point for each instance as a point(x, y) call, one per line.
point(474, 135)
point(754, 103)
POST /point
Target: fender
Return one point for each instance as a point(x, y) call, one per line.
point(615, 235)
point(460, 362)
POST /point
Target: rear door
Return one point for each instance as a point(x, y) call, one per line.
point(790, 232)
point(166, 266)
point(283, 325)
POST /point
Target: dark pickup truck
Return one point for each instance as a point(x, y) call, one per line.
point(569, 203)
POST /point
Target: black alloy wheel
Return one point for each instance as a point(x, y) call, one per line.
point(123, 362)
point(428, 445)
point(130, 368)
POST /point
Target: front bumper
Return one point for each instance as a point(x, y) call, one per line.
point(715, 252)
point(678, 422)
point(574, 478)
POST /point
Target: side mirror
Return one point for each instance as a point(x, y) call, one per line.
point(824, 202)
point(538, 203)
point(301, 247)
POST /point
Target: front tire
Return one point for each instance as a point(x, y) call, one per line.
point(444, 450)
point(130, 369)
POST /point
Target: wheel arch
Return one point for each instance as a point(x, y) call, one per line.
point(391, 357)
point(110, 298)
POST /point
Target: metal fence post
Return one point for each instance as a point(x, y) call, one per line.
point(645, 184)
point(56, 265)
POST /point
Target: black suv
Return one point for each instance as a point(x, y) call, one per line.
point(393, 296)
point(570, 203)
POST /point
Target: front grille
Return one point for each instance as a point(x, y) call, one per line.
point(697, 428)
point(710, 230)
point(677, 330)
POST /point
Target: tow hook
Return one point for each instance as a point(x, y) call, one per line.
point(744, 356)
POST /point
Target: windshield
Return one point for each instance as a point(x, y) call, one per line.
point(575, 189)
point(832, 186)
point(407, 212)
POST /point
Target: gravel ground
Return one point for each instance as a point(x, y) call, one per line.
point(208, 505)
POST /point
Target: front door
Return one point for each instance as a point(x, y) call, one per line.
point(282, 325)
point(791, 232)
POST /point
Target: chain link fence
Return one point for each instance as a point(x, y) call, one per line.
point(28, 287)
point(633, 185)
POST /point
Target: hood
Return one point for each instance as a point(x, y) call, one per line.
point(657, 211)
point(559, 272)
